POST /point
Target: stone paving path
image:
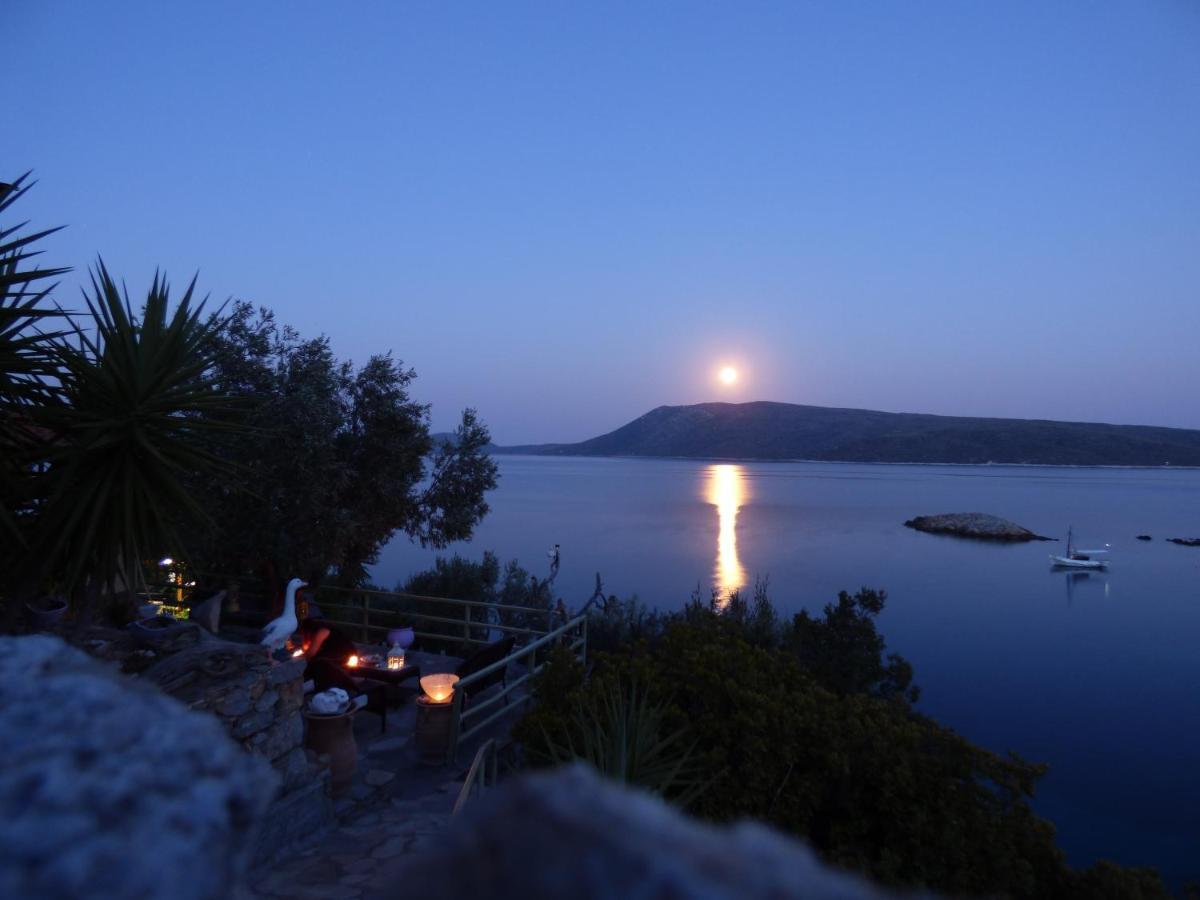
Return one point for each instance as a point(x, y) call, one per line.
point(395, 806)
point(346, 863)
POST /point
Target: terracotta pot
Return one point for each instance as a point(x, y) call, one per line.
point(47, 612)
point(156, 630)
point(434, 722)
point(334, 737)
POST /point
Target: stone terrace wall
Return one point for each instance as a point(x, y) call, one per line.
point(259, 704)
point(257, 701)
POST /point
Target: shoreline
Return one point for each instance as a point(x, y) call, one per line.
point(846, 462)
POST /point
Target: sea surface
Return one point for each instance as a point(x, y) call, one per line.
point(1097, 675)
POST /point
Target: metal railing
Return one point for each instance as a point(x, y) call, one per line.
point(572, 634)
point(482, 775)
point(372, 613)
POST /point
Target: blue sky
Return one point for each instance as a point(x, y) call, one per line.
point(566, 214)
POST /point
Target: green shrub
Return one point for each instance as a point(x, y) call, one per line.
point(621, 623)
point(622, 730)
point(805, 733)
point(483, 582)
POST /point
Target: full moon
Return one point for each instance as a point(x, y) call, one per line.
point(728, 375)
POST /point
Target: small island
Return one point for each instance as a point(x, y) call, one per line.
point(980, 526)
point(1185, 542)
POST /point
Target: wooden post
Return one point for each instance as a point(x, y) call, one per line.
point(467, 627)
point(366, 617)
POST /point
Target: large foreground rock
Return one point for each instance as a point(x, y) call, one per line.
point(975, 525)
point(570, 834)
point(110, 789)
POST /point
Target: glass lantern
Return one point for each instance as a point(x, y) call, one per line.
point(395, 657)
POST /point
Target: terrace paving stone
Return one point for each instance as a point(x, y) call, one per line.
point(404, 812)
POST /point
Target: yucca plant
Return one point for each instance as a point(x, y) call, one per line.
point(30, 324)
point(621, 731)
point(137, 405)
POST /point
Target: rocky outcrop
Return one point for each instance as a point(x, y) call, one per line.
point(974, 525)
point(111, 789)
point(1185, 542)
point(588, 839)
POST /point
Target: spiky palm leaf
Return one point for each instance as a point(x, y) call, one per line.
point(621, 731)
point(137, 405)
point(29, 372)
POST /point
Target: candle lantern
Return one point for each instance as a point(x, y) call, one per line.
point(395, 657)
point(439, 688)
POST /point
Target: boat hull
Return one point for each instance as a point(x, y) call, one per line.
point(1064, 562)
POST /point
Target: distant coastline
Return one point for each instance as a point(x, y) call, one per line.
point(496, 450)
point(764, 431)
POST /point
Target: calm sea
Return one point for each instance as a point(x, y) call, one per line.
point(1096, 674)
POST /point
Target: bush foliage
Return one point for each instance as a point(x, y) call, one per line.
point(809, 725)
point(485, 581)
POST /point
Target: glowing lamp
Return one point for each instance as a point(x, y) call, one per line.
point(395, 657)
point(439, 688)
point(166, 561)
point(299, 651)
point(352, 662)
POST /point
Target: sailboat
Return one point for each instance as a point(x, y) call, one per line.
point(1079, 559)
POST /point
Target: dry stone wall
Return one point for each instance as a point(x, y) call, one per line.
point(259, 704)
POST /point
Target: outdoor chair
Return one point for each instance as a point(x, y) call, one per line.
point(481, 659)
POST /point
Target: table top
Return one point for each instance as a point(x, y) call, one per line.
point(393, 676)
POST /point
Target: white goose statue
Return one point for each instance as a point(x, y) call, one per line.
point(277, 632)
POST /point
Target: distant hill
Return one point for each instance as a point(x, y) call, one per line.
point(764, 430)
point(449, 437)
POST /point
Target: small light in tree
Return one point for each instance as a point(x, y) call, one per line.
point(166, 561)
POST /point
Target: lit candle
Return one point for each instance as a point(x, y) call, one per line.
point(439, 688)
point(352, 662)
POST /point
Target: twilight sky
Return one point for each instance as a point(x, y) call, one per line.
point(566, 214)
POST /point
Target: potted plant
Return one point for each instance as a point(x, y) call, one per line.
point(48, 611)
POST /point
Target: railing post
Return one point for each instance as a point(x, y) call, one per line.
point(455, 726)
point(467, 626)
point(366, 617)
